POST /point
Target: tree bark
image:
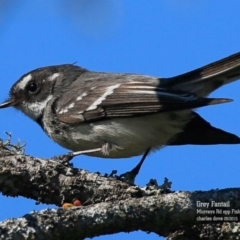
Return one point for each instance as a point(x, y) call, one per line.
point(109, 205)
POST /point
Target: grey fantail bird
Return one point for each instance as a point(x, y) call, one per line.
point(123, 115)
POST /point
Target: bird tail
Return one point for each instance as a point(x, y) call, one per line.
point(204, 80)
point(199, 132)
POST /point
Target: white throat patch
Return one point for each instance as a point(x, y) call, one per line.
point(34, 110)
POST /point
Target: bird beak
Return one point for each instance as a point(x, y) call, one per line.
point(8, 103)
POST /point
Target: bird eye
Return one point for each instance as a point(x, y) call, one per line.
point(32, 87)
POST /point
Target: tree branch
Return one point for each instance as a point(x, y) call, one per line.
point(111, 205)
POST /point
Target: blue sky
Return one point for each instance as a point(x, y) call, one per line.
point(160, 38)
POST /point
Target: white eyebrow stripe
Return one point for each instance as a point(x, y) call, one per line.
point(109, 91)
point(22, 84)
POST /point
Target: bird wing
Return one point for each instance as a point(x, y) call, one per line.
point(124, 99)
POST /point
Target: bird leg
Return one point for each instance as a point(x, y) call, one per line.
point(131, 175)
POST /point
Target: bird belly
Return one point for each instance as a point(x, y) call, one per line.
point(126, 137)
